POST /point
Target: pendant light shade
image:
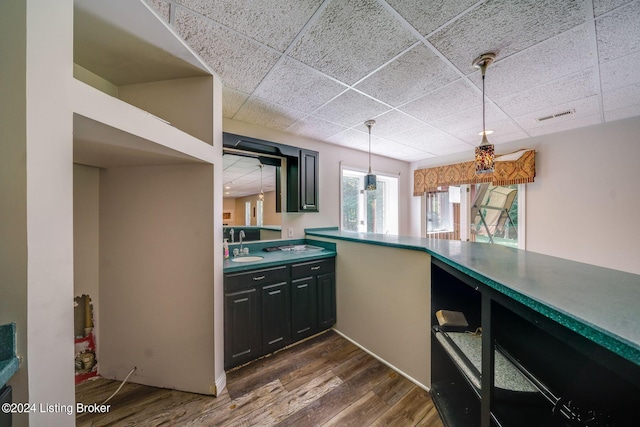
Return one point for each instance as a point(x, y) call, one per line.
point(370, 178)
point(485, 153)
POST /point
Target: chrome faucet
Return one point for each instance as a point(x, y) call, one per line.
point(241, 235)
point(231, 234)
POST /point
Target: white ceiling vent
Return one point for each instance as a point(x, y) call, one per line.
point(556, 115)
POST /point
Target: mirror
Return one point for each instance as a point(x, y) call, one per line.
point(245, 175)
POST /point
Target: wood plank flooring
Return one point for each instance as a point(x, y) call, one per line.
point(324, 381)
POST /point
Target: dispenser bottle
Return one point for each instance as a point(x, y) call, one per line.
point(225, 245)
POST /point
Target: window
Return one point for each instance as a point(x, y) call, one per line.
point(441, 211)
point(369, 211)
point(496, 213)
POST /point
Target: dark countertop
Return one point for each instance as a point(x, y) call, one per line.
point(599, 303)
point(271, 259)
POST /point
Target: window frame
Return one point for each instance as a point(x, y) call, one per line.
point(395, 206)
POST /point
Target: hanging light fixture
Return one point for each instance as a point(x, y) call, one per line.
point(485, 154)
point(370, 179)
point(261, 195)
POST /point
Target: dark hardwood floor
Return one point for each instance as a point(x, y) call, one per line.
point(324, 381)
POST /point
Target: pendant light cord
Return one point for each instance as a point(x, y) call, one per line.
point(369, 126)
point(484, 131)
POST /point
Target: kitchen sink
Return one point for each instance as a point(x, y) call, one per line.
point(246, 259)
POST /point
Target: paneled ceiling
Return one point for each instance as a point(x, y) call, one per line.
point(320, 68)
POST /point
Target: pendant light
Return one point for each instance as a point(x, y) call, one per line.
point(261, 195)
point(485, 154)
point(370, 179)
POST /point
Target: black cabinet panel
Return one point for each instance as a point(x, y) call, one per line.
point(308, 181)
point(304, 308)
point(326, 300)
point(275, 317)
point(302, 182)
point(237, 281)
point(242, 332)
point(312, 268)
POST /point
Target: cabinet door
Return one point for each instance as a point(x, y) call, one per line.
point(326, 284)
point(308, 181)
point(275, 317)
point(241, 327)
point(304, 308)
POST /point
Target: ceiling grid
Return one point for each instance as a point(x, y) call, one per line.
point(320, 68)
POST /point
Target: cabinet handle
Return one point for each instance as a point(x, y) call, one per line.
point(258, 278)
point(274, 292)
point(317, 267)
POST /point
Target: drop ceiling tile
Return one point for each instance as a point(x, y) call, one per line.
point(508, 137)
point(267, 114)
point(467, 124)
point(561, 91)
point(315, 128)
point(351, 39)
point(617, 32)
point(353, 139)
point(505, 27)
point(393, 122)
point(566, 125)
point(427, 16)
point(560, 56)
point(583, 108)
point(351, 109)
point(620, 72)
point(426, 138)
point(445, 150)
point(260, 20)
point(414, 74)
point(232, 100)
point(297, 86)
point(392, 149)
point(444, 101)
point(240, 63)
point(163, 8)
point(623, 97)
point(622, 113)
point(604, 6)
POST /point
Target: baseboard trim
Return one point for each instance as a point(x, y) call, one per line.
point(404, 374)
point(221, 383)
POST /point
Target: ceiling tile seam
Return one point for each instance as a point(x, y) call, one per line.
point(284, 55)
point(396, 57)
point(239, 34)
point(454, 19)
point(431, 47)
point(172, 14)
point(231, 30)
point(595, 57)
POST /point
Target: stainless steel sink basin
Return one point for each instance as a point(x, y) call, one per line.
point(300, 248)
point(247, 259)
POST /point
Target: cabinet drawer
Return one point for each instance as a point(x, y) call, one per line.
point(313, 268)
point(248, 279)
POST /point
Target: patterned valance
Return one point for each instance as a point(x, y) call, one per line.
point(506, 172)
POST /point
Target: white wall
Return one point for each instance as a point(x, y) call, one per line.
point(584, 203)
point(329, 173)
point(157, 275)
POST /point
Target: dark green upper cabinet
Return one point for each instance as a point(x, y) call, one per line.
point(302, 181)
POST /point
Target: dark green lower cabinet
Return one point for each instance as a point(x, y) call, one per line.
point(304, 307)
point(326, 300)
point(242, 335)
point(275, 317)
point(269, 308)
